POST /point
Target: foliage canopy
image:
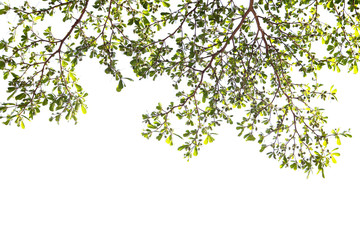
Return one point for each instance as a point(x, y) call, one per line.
point(221, 55)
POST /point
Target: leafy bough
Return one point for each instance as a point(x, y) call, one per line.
point(221, 56)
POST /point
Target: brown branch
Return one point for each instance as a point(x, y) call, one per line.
point(213, 56)
point(53, 54)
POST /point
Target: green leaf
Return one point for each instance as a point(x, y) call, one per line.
point(120, 86)
point(2, 65)
point(181, 147)
point(45, 102)
point(241, 132)
point(146, 21)
point(11, 95)
point(20, 96)
point(78, 87)
point(67, 117)
point(262, 147)
point(77, 106)
point(4, 10)
point(52, 106)
point(204, 97)
point(159, 137)
point(250, 138)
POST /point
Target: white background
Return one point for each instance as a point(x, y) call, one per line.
point(101, 179)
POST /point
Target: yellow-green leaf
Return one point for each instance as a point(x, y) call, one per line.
point(83, 109)
point(22, 125)
point(333, 159)
point(338, 142)
point(325, 143)
point(72, 75)
point(355, 69)
point(206, 140)
point(329, 4)
point(195, 151)
point(169, 140)
point(166, 4)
